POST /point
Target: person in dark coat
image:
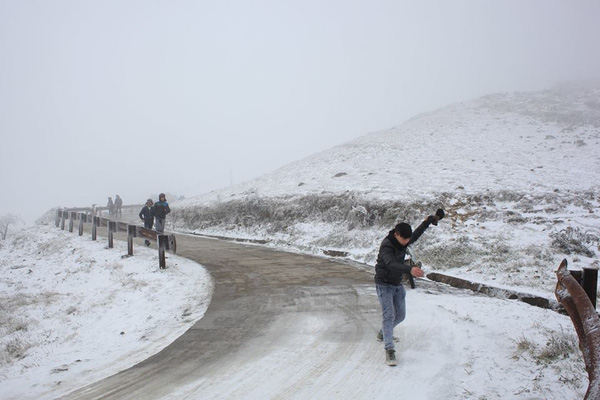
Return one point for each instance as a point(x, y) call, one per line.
point(389, 271)
point(111, 206)
point(118, 205)
point(160, 209)
point(147, 217)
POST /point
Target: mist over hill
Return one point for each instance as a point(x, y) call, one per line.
point(517, 173)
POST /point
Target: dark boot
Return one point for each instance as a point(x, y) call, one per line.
point(390, 358)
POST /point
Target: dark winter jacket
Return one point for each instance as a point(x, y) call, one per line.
point(160, 209)
point(390, 260)
point(147, 217)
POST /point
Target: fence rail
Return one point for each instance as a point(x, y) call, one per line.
point(88, 215)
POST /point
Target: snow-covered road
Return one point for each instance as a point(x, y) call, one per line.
point(285, 325)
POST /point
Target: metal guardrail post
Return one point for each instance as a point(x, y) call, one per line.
point(112, 227)
point(95, 223)
point(82, 220)
point(131, 233)
point(590, 283)
point(162, 245)
point(588, 279)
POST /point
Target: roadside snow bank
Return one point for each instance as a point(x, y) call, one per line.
point(73, 311)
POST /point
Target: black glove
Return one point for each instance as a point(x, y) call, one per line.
point(440, 213)
point(433, 219)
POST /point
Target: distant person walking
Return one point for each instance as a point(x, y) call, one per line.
point(160, 209)
point(118, 205)
point(389, 270)
point(147, 217)
point(111, 206)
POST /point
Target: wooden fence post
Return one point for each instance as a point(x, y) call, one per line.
point(131, 233)
point(57, 221)
point(162, 245)
point(112, 227)
point(62, 221)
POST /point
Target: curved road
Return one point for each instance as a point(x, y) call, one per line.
point(272, 314)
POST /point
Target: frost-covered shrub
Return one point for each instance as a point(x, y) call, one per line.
point(559, 345)
point(450, 254)
point(13, 349)
point(574, 241)
point(346, 208)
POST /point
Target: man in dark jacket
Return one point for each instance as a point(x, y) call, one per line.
point(147, 217)
point(160, 209)
point(111, 206)
point(118, 205)
point(389, 270)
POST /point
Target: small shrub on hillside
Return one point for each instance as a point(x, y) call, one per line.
point(13, 349)
point(574, 241)
point(451, 254)
point(525, 345)
point(558, 346)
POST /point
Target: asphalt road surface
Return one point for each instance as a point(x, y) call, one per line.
point(271, 316)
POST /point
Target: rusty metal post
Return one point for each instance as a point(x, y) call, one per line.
point(162, 244)
point(71, 218)
point(131, 233)
point(112, 227)
point(586, 321)
point(95, 223)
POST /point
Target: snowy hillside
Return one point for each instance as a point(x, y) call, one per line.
point(517, 173)
point(526, 142)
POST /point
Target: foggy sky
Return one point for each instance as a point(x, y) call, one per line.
point(141, 97)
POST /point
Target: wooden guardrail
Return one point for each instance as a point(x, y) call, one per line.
point(87, 215)
point(578, 304)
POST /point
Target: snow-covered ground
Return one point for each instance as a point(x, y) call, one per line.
point(518, 175)
point(73, 311)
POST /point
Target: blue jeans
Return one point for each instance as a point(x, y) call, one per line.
point(393, 306)
point(160, 225)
